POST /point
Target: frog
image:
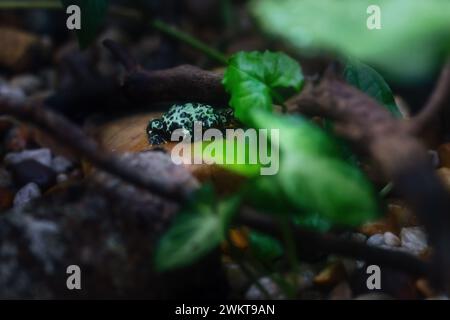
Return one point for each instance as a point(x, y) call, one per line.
point(183, 116)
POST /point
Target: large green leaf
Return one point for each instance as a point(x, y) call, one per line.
point(264, 247)
point(92, 16)
point(314, 176)
point(198, 229)
point(254, 79)
point(415, 34)
point(371, 82)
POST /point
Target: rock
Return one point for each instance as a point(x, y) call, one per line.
point(28, 171)
point(43, 156)
point(374, 296)
point(17, 139)
point(15, 95)
point(62, 177)
point(341, 292)
point(414, 240)
point(391, 239)
point(274, 292)
point(434, 158)
point(331, 275)
point(444, 155)
point(26, 194)
point(6, 198)
point(424, 288)
point(28, 83)
point(61, 164)
point(400, 216)
point(444, 175)
point(358, 237)
point(236, 278)
point(376, 240)
point(5, 178)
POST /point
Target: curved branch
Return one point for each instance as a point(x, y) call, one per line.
point(438, 100)
point(72, 136)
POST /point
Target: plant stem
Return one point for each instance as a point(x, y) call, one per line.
point(8, 5)
point(190, 40)
point(130, 14)
point(386, 190)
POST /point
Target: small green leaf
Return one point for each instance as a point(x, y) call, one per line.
point(197, 230)
point(371, 82)
point(254, 79)
point(264, 247)
point(93, 13)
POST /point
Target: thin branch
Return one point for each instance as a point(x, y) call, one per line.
point(71, 136)
point(437, 101)
point(331, 244)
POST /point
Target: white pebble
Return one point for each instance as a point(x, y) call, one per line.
point(44, 156)
point(271, 287)
point(376, 240)
point(26, 194)
point(414, 239)
point(60, 164)
point(391, 239)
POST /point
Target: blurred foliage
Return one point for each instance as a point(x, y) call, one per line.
point(414, 37)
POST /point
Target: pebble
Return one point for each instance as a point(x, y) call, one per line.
point(254, 293)
point(236, 278)
point(434, 158)
point(341, 292)
point(414, 240)
point(376, 240)
point(60, 164)
point(444, 155)
point(5, 178)
point(43, 156)
point(331, 275)
point(26, 194)
point(6, 198)
point(12, 94)
point(62, 177)
point(32, 171)
point(391, 239)
point(28, 83)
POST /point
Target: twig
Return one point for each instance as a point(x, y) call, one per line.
point(331, 244)
point(438, 99)
point(70, 135)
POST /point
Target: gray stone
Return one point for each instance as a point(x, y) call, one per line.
point(12, 94)
point(26, 194)
point(62, 177)
point(60, 164)
point(414, 240)
point(28, 83)
point(43, 156)
point(254, 293)
point(391, 239)
point(376, 240)
point(5, 178)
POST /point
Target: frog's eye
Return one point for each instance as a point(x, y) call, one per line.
point(156, 125)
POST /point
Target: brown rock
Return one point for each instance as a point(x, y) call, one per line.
point(331, 275)
point(424, 288)
point(6, 198)
point(444, 155)
point(444, 174)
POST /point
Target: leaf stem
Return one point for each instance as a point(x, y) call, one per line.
point(130, 14)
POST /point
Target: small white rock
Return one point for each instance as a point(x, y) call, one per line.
point(44, 156)
point(60, 164)
point(28, 83)
point(376, 240)
point(26, 194)
point(271, 287)
point(391, 239)
point(62, 177)
point(414, 239)
point(15, 95)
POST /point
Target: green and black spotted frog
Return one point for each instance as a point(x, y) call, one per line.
point(183, 116)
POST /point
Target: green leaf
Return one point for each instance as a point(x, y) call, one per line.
point(93, 13)
point(371, 82)
point(197, 230)
point(414, 36)
point(264, 247)
point(314, 176)
point(254, 79)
